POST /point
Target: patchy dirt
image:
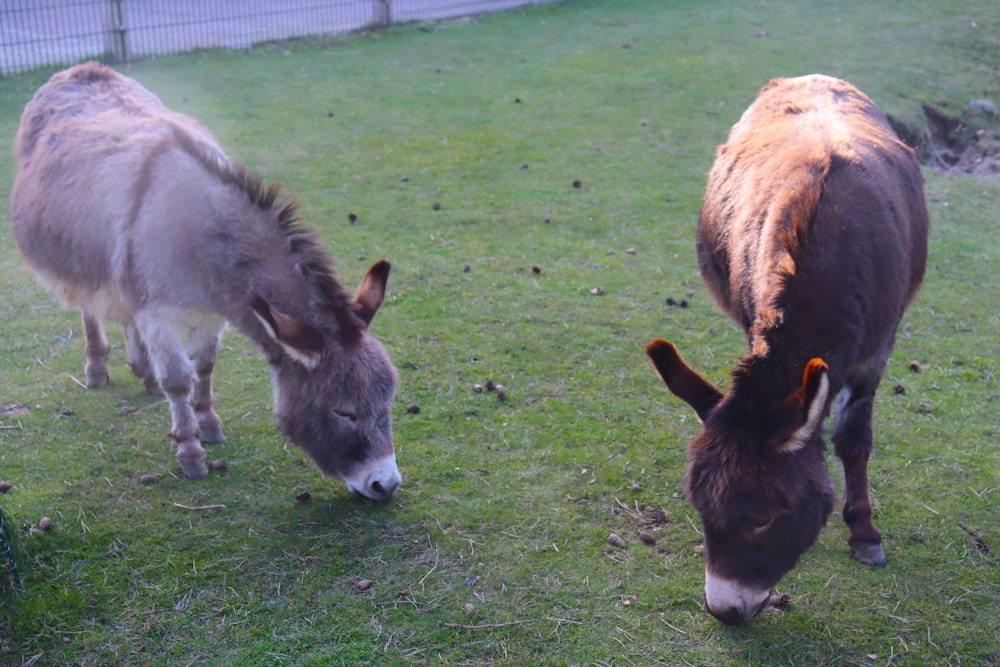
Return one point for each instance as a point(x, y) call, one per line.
point(959, 142)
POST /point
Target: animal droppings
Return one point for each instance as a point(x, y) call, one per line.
point(412, 409)
point(577, 183)
point(218, 464)
point(780, 602)
point(630, 251)
point(364, 585)
point(501, 392)
point(647, 538)
point(45, 523)
point(899, 389)
point(616, 540)
point(524, 165)
point(490, 385)
point(546, 220)
point(536, 269)
point(5, 486)
point(478, 388)
point(436, 206)
point(352, 218)
point(149, 478)
point(916, 367)
point(304, 497)
point(466, 268)
point(683, 303)
point(517, 100)
point(671, 301)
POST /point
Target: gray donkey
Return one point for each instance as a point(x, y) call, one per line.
point(133, 214)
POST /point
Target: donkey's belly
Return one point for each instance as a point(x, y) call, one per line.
point(102, 302)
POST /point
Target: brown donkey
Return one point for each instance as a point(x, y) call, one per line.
point(813, 237)
point(133, 214)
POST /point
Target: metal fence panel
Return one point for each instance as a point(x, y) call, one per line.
point(34, 33)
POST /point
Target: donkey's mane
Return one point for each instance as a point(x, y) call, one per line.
point(312, 260)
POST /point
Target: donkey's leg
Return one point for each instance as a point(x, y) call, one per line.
point(852, 438)
point(177, 378)
point(138, 360)
point(96, 348)
point(202, 348)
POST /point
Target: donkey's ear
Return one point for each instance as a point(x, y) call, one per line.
point(371, 293)
point(800, 414)
point(686, 384)
point(300, 340)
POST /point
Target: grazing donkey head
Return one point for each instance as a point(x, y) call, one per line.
point(333, 395)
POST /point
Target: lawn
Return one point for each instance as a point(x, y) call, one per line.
point(535, 178)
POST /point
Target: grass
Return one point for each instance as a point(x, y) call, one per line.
point(507, 507)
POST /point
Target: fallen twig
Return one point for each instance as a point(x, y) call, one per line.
point(487, 626)
point(198, 508)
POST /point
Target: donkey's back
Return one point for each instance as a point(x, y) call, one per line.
point(97, 141)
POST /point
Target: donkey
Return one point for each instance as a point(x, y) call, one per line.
point(133, 214)
point(813, 237)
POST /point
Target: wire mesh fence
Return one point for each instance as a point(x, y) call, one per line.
point(34, 33)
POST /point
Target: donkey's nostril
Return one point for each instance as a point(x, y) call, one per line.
point(378, 488)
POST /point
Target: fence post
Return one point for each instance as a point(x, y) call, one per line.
point(382, 11)
point(115, 36)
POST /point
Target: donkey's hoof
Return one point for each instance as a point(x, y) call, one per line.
point(212, 434)
point(97, 379)
point(193, 469)
point(869, 554)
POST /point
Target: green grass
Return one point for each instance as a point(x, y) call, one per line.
point(508, 506)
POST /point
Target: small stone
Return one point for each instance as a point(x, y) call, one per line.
point(899, 390)
point(218, 464)
point(478, 388)
point(5, 486)
point(916, 367)
point(436, 206)
point(469, 609)
point(501, 392)
point(597, 291)
point(472, 581)
point(700, 548)
point(45, 523)
point(647, 538)
point(546, 220)
point(985, 107)
point(304, 497)
point(412, 409)
point(364, 584)
point(630, 251)
point(628, 600)
point(466, 268)
point(616, 540)
point(524, 165)
point(149, 478)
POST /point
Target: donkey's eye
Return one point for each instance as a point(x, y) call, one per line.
point(352, 416)
point(758, 527)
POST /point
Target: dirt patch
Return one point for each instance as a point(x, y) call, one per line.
point(958, 145)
